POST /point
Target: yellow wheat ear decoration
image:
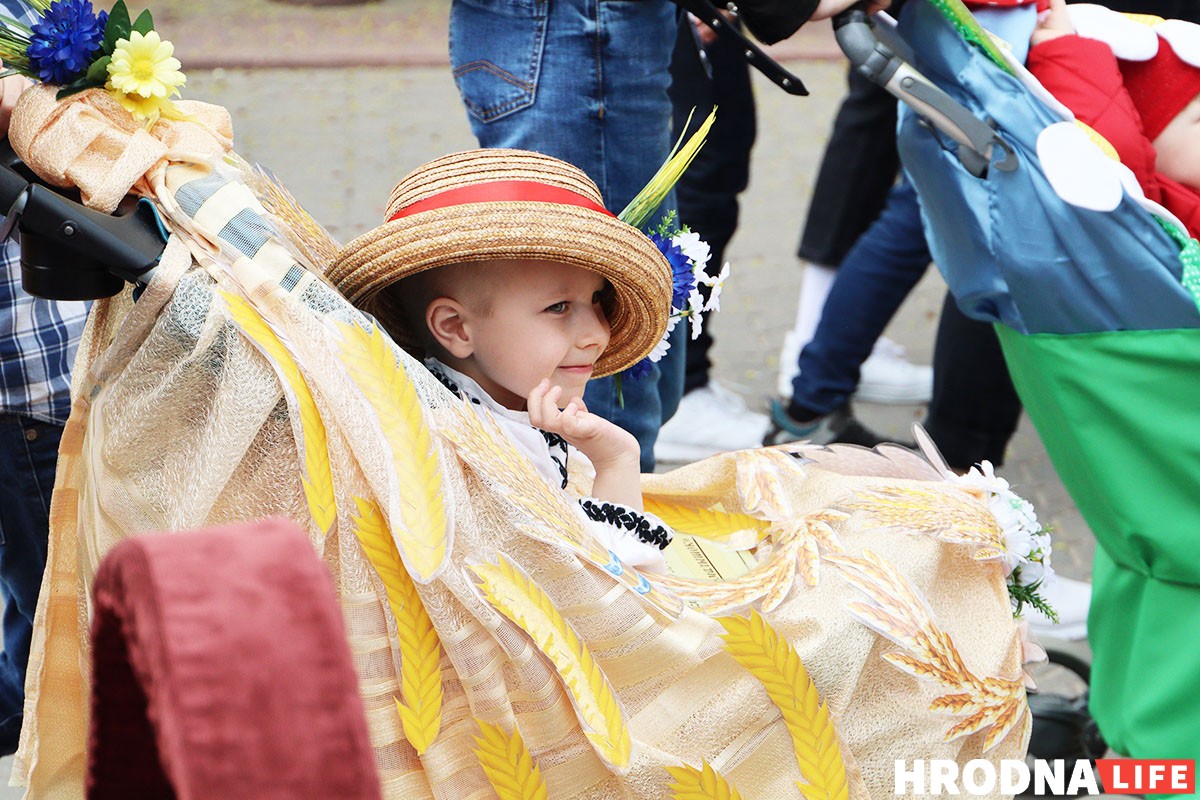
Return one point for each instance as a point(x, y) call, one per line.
point(700, 784)
point(771, 659)
point(706, 523)
point(508, 765)
point(896, 610)
point(523, 601)
point(942, 511)
point(638, 212)
point(420, 649)
point(421, 529)
point(318, 478)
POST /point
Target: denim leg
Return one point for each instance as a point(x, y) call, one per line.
point(581, 80)
point(28, 454)
point(585, 81)
point(877, 274)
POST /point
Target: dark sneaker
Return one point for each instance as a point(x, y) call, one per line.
point(838, 427)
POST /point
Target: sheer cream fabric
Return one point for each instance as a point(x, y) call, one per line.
point(183, 418)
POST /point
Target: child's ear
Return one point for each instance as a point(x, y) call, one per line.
point(446, 320)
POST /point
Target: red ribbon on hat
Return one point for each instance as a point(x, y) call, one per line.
point(501, 192)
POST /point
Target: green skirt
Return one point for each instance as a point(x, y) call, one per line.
point(1119, 413)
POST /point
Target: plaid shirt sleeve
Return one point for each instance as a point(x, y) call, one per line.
point(38, 339)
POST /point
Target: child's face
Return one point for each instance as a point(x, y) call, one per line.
point(1178, 146)
point(541, 320)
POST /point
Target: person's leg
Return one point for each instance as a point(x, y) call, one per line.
point(857, 172)
point(637, 37)
point(712, 419)
point(585, 81)
point(974, 409)
point(875, 277)
point(707, 193)
point(28, 454)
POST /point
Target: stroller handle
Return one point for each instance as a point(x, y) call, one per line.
point(858, 35)
point(69, 251)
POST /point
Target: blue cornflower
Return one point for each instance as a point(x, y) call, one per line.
point(639, 370)
point(64, 40)
point(682, 278)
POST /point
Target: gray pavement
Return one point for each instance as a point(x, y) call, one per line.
point(340, 134)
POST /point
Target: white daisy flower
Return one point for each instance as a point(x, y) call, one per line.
point(695, 248)
point(716, 283)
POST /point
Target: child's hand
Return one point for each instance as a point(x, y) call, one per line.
point(1053, 23)
point(605, 444)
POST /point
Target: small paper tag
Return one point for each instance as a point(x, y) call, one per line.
point(700, 559)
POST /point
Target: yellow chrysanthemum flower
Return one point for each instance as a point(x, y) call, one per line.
point(147, 109)
point(142, 108)
point(144, 66)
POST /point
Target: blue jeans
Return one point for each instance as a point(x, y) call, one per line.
point(584, 81)
point(28, 454)
point(877, 274)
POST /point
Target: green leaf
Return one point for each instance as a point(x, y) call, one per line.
point(144, 24)
point(118, 27)
point(98, 71)
point(16, 25)
point(76, 86)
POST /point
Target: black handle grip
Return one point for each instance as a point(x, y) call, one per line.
point(855, 13)
point(69, 251)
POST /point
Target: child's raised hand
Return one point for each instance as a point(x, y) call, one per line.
point(1053, 23)
point(601, 441)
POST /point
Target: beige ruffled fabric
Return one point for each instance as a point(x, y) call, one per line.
point(90, 142)
point(240, 386)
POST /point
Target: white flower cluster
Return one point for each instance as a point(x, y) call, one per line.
point(1026, 542)
point(698, 254)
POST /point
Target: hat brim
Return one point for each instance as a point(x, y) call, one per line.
point(638, 272)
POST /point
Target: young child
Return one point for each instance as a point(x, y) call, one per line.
point(1148, 110)
point(503, 269)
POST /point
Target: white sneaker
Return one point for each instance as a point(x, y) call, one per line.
point(1071, 599)
point(889, 377)
point(710, 420)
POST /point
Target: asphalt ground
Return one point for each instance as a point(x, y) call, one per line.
point(340, 100)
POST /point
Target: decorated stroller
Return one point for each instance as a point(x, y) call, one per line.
point(1095, 292)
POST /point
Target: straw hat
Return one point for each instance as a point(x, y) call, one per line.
point(497, 204)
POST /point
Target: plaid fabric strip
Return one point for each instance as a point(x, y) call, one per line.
point(38, 339)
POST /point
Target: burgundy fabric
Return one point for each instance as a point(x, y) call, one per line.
point(221, 671)
point(1083, 74)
